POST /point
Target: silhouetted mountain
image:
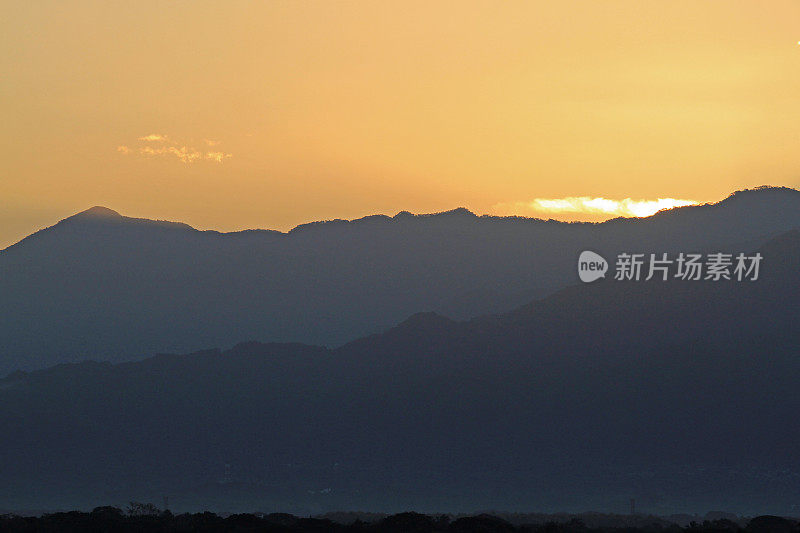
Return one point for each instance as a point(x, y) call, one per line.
point(100, 285)
point(682, 394)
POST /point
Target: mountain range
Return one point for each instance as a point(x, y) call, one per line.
point(681, 394)
point(99, 285)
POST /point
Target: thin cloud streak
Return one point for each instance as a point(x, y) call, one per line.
point(593, 207)
point(183, 152)
point(153, 137)
point(217, 156)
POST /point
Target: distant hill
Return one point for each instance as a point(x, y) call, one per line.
point(681, 394)
point(103, 286)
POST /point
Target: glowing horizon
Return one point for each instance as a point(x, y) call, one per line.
point(593, 208)
point(244, 114)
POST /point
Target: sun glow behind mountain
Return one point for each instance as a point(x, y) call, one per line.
point(589, 208)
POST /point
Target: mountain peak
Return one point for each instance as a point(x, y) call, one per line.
point(760, 192)
point(97, 212)
point(458, 212)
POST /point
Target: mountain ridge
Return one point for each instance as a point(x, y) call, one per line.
point(101, 213)
point(106, 287)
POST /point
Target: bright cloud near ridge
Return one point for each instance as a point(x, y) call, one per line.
point(575, 207)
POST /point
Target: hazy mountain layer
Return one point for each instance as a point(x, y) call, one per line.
point(681, 394)
point(103, 286)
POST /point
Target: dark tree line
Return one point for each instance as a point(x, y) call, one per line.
point(140, 517)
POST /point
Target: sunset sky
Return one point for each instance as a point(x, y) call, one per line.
point(233, 115)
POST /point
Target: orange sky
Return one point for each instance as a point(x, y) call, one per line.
point(278, 113)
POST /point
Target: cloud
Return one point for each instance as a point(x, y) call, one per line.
point(153, 137)
point(184, 152)
point(187, 155)
point(577, 207)
point(217, 156)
